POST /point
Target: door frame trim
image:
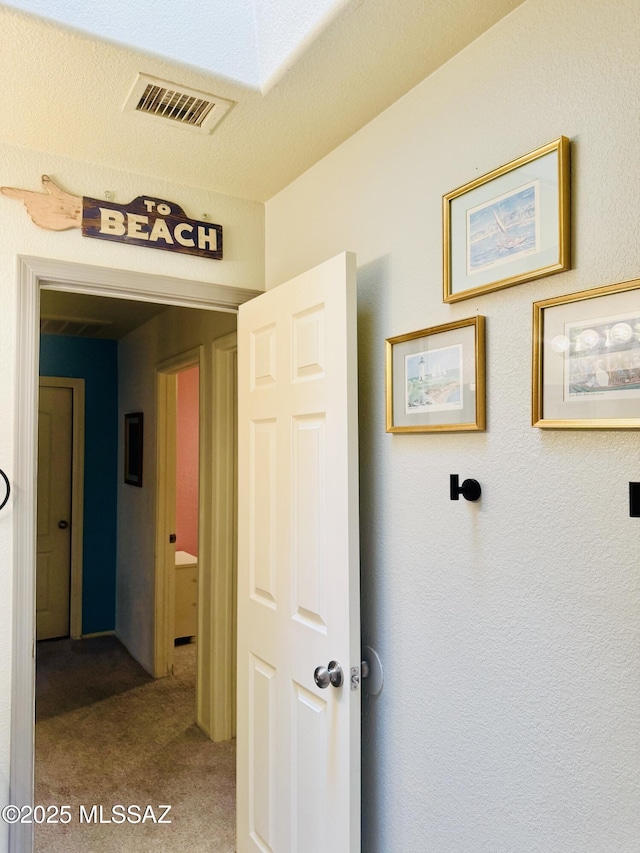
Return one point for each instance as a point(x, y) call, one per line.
point(77, 387)
point(217, 526)
point(34, 274)
point(216, 700)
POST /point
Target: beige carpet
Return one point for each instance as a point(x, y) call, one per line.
point(107, 734)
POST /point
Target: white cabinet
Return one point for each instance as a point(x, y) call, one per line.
point(186, 598)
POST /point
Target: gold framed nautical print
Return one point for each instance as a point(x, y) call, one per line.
point(508, 226)
point(435, 379)
point(586, 359)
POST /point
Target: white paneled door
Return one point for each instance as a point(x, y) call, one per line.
point(298, 743)
point(53, 567)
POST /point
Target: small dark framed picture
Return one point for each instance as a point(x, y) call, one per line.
point(133, 434)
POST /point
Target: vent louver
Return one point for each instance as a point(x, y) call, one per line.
point(75, 326)
point(177, 104)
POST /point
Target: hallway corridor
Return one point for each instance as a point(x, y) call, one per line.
point(108, 734)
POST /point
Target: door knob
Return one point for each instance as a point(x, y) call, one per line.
point(63, 525)
point(326, 675)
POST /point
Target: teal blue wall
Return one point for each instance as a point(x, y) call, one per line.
point(96, 362)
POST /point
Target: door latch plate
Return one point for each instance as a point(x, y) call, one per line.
point(355, 677)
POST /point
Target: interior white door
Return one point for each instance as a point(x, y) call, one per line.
point(53, 561)
point(298, 746)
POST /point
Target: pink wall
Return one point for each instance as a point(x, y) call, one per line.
point(187, 462)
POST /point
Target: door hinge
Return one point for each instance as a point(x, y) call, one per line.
point(172, 538)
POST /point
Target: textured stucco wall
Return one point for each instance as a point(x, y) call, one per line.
point(508, 630)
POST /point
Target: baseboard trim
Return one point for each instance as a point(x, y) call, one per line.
point(98, 634)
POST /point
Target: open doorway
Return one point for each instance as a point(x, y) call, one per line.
point(213, 366)
point(178, 484)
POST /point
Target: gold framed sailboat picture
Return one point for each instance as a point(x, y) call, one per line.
point(509, 226)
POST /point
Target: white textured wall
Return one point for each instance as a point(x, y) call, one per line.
point(243, 267)
point(175, 331)
point(509, 630)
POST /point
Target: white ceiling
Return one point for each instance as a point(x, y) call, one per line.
point(304, 75)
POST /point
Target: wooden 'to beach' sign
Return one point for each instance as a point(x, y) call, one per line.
point(146, 221)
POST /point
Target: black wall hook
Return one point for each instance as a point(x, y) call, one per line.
point(8, 487)
point(470, 489)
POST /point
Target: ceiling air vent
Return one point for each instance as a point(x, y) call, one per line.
point(177, 104)
point(76, 326)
